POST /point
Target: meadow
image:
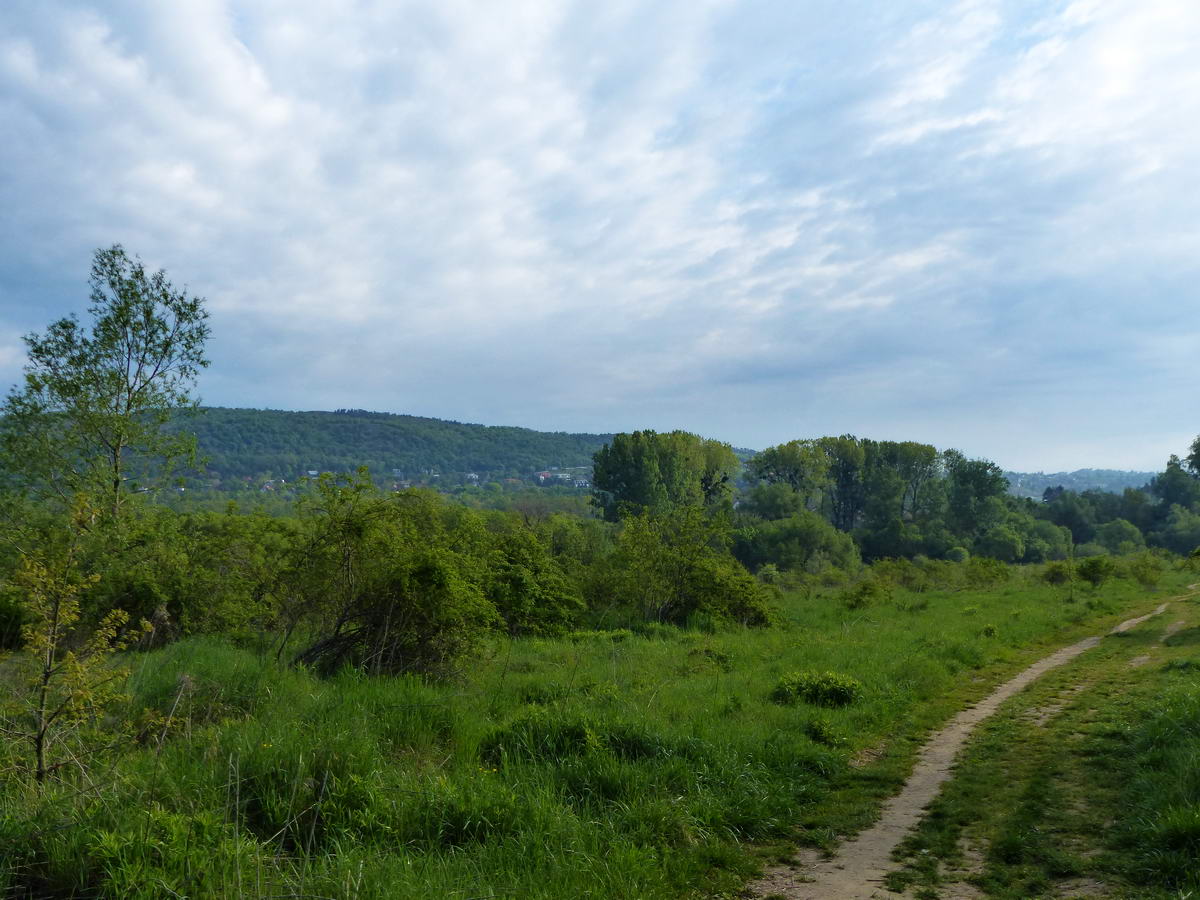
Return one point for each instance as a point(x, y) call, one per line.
point(649, 763)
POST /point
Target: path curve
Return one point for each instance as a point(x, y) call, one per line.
point(858, 870)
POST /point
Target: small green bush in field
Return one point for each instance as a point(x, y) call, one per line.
point(866, 593)
point(819, 688)
point(1058, 572)
point(1146, 569)
point(1096, 570)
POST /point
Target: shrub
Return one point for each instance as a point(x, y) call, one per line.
point(818, 688)
point(674, 568)
point(1146, 569)
point(819, 731)
point(528, 587)
point(958, 554)
point(984, 573)
point(1057, 573)
point(1096, 570)
point(865, 593)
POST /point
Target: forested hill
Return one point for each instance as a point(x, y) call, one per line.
point(252, 442)
point(1114, 481)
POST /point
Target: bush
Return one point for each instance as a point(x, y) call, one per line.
point(1146, 569)
point(675, 569)
point(958, 554)
point(528, 587)
point(818, 688)
point(985, 573)
point(1057, 573)
point(865, 593)
point(819, 731)
point(1096, 570)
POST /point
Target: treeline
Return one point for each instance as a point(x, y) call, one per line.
point(908, 499)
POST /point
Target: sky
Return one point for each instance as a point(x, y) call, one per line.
point(970, 224)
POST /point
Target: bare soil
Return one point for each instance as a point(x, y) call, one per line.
point(858, 870)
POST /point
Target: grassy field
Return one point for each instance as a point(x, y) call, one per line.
point(604, 764)
point(1086, 784)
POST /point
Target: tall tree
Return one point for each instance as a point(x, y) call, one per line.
point(846, 494)
point(91, 412)
point(972, 483)
point(802, 465)
point(650, 472)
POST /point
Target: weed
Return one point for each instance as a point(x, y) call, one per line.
point(819, 688)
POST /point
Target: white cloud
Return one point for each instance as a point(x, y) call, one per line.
point(567, 214)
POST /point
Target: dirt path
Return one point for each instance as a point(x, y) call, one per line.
point(858, 870)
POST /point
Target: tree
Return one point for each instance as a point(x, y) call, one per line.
point(1176, 486)
point(650, 472)
point(972, 483)
point(1120, 536)
point(91, 413)
point(845, 493)
point(72, 679)
point(801, 465)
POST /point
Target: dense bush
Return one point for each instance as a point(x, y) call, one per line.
point(674, 568)
point(1096, 570)
point(818, 688)
point(866, 593)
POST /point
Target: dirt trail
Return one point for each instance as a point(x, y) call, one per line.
point(858, 870)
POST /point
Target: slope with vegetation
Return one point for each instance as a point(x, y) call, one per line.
point(239, 443)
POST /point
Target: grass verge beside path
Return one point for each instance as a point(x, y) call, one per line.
point(1087, 784)
point(604, 764)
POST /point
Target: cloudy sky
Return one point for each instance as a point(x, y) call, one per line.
point(973, 224)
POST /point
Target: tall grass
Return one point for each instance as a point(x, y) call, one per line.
point(606, 764)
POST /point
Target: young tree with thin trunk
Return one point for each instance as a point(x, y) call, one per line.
point(91, 412)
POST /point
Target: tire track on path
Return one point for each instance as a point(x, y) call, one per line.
point(857, 871)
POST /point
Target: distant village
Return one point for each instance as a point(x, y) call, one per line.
point(572, 477)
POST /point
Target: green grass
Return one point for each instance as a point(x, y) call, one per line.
point(600, 764)
point(1091, 776)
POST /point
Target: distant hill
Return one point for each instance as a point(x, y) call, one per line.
point(240, 443)
point(1114, 481)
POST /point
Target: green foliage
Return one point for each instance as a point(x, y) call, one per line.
point(1001, 542)
point(1146, 569)
point(1096, 570)
point(647, 472)
point(819, 688)
point(799, 467)
point(1120, 536)
point(90, 415)
point(820, 731)
point(1058, 572)
point(398, 591)
point(866, 593)
point(245, 443)
point(985, 573)
point(527, 586)
point(69, 678)
point(804, 542)
point(675, 567)
point(958, 554)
